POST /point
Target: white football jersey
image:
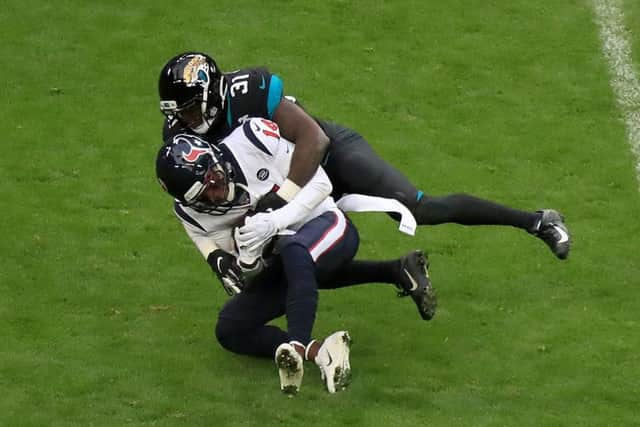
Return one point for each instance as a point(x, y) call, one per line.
point(261, 159)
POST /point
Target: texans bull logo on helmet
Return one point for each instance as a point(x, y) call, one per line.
point(188, 150)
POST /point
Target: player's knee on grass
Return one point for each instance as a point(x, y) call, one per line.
point(240, 337)
point(227, 334)
point(236, 337)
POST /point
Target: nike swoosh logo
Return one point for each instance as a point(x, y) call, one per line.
point(218, 263)
point(564, 237)
point(414, 284)
point(330, 359)
point(262, 84)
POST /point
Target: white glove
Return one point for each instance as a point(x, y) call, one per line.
point(256, 232)
point(249, 261)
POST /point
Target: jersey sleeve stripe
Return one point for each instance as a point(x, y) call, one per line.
point(229, 117)
point(275, 95)
point(248, 132)
point(186, 217)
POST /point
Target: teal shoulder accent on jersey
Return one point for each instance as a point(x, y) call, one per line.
point(275, 94)
point(228, 102)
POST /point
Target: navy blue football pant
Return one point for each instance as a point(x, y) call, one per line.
point(306, 261)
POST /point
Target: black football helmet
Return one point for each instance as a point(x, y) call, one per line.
point(192, 91)
point(187, 166)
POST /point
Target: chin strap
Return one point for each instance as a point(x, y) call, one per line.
point(203, 127)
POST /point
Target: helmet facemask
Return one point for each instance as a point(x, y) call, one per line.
point(215, 194)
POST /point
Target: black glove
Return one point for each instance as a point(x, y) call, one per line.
point(270, 202)
point(229, 273)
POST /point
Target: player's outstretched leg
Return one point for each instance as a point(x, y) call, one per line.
point(551, 229)
point(333, 360)
point(290, 368)
point(415, 282)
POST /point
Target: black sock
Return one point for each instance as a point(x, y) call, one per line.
point(358, 272)
point(469, 210)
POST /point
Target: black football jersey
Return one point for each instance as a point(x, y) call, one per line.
point(251, 92)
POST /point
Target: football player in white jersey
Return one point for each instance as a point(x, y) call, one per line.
point(215, 189)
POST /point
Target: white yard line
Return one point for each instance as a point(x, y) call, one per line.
point(624, 80)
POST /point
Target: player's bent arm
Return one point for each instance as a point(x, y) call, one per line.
point(311, 145)
point(204, 244)
point(209, 242)
point(260, 228)
point(221, 260)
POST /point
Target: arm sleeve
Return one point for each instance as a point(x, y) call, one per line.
point(307, 199)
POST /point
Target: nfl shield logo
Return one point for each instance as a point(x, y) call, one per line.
point(262, 174)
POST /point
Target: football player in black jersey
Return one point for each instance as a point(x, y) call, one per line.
point(196, 96)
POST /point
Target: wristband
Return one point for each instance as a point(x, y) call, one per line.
point(288, 190)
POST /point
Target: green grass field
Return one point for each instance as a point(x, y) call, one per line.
point(107, 309)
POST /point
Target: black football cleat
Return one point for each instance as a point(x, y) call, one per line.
point(550, 228)
point(415, 282)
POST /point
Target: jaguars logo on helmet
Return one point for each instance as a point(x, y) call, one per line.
point(192, 91)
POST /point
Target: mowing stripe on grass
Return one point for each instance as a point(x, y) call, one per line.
point(617, 50)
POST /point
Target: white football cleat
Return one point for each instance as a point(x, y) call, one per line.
point(333, 361)
point(290, 368)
